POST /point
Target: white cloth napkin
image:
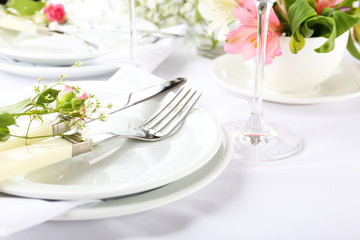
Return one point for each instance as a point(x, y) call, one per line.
point(18, 213)
point(149, 55)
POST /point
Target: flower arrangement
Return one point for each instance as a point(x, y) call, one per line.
point(60, 97)
point(298, 19)
point(166, 13)
point(39, 11)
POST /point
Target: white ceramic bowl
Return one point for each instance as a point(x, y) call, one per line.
point(305, 71)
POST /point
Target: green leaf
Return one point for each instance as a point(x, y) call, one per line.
point(296, 17)
point(66, 97)
point(356, 33)
point(323, 27)
point(48, 96)
point(198, 16)
point(312, 3)
point(27, 7)
point(6, 119)
point(352, 48)
point(295, 45)
point(327, 12)
point(65, 106)
point(346, 3)
point(278, 14)
point(344, 22)
point(14, 108)
point(4, 133)
point(77, 103)
point(288, 4)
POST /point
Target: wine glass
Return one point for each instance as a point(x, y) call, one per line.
point(134, 61)
point(256, 139)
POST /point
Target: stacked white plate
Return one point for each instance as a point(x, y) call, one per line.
point(34, 55)
point(134, 176)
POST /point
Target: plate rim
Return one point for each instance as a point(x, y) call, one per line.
point(172, 194)
point(53, 71)
point(273, 96)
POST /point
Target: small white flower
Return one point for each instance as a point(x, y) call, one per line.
point(151, 4)
point(220, 13)
point(103, 116)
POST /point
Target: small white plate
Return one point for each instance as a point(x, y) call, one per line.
point(230, 72)
point(136, 166)
point(158, 197)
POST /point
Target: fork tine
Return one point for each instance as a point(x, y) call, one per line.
point(159, 115)
point(171, 121)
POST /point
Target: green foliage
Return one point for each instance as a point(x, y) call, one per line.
point(303, 21)
point(14, 108)
point(26, 7)
point(4, 133)
point(6, 120)
point(47, 96)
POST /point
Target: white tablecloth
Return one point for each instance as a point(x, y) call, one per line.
point(314, 195)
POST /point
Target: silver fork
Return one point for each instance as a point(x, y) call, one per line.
point(161, 124)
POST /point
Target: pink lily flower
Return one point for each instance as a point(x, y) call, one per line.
point(320, 4)
point(243, 40)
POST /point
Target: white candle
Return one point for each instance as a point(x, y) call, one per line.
point(37, 129)
point(25, 159)
point(8, 21)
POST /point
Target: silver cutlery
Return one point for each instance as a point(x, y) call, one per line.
point(160, 125)
point(125, 101)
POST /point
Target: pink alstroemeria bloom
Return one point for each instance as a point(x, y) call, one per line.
point(320, 4)
point(55, 13)
point(243, 40)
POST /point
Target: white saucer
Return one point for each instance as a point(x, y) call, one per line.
point(158, 197)
point(230, 72)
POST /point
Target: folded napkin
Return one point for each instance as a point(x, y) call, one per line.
point(30, 212)
point(149, 55)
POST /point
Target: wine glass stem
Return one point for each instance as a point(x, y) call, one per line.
point(133, 32)
point(256, 123)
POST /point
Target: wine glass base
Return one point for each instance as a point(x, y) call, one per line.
point(279, 143)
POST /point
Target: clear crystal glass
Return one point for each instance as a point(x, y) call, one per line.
point(255, 139)
point(134, 60)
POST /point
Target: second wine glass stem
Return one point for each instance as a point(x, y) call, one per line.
point(256, 124)
point(133, 33)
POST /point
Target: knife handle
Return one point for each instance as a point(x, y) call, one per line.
point(15, 23)
point(24, 159)
point(15, 142)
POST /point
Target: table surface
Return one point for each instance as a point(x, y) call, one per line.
point(313, 195)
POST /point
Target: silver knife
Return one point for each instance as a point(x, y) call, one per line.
point(131, 99)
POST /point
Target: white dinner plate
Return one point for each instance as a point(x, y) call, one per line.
point(231, 72)
point(134, 167)
point(65, 50)
point(158, 197)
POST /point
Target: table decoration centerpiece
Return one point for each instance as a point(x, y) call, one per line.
point(60, 98)
point(309, 37)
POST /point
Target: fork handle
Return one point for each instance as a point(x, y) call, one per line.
point(24, 159)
